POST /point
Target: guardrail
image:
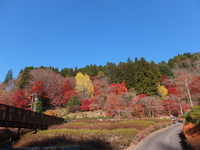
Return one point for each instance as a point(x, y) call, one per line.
point(19, 118)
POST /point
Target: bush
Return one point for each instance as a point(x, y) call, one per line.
point(191, 129)
point(11, 133)
point(192, 134)
point(193, 116)
point(117, 139)
point(93, 134)
point(109, 125)
point(51, 113)
point(137, 124)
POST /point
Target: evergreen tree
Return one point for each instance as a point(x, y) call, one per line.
point(129, 61)
point(121, 68)
point(73, 104)
point(25, 77)
point(70, 73)
point(171, 63)
point(156, 78)
point(93, 70)
point(129, 74)
point(39, 106)
point(165, 69)
point(55, 70)
point(111, 72)
point(63, 72)
point(75, 71)
point(67, 72)
point(9, 76)
point(42, 67)
point(101, 68)
point(89, 70)
point(147, 77)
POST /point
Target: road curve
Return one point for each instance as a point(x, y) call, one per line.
point(170, 138)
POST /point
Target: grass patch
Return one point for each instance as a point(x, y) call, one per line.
point(136, 124)
point(108, 138)
point(92, 134)
point(108, 124)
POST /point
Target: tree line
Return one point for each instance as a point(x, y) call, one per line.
point(131, 88)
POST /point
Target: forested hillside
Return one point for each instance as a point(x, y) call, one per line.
point(127, 89)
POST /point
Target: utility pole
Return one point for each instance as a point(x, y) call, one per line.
point(186, 84)
point(181, 109)
point(35, 99)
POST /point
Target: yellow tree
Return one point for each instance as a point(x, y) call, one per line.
point(84, 86)
point(162, 91)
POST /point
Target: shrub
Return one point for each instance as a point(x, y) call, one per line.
point(93, 134)
point(11, 133)
point(51, 112)
point(137, 124)
point(114, 138)
point(193, 116)
point(109, 125)
point(192, 134)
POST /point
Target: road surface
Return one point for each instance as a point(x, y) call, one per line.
point(170, 138)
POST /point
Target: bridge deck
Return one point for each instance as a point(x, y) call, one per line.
point(19, 118)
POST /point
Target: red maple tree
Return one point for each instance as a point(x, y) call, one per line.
point(115, 105)
point(67, 92)
point(19, 99)
point(85, 105)
point(117, 88)
point(39, 88)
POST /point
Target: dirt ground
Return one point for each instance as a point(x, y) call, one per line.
point(63, 112)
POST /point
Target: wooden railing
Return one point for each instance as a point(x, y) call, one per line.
point(19, 118)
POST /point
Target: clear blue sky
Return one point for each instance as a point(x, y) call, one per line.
point(70, 33)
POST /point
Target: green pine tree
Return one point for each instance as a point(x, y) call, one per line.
point(165, 69)
point(129, 73)
point(147, 77)
point(9, 76)
point(111, 71)
point(73, 102)
point(25, 77)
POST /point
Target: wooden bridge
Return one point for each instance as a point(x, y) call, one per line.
point(19, 118)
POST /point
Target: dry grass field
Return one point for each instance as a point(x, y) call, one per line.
point(95, 134)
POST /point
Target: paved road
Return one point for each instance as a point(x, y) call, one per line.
point(170, 138)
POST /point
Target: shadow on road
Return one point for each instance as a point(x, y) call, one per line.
point(183, 143)
point(163, 146)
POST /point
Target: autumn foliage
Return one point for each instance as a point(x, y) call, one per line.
point(85, 105)
point(67, 92)
point(51, 112)
point(20, 99)
point(39, 88)
point(192, 134)
point(127, 90)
